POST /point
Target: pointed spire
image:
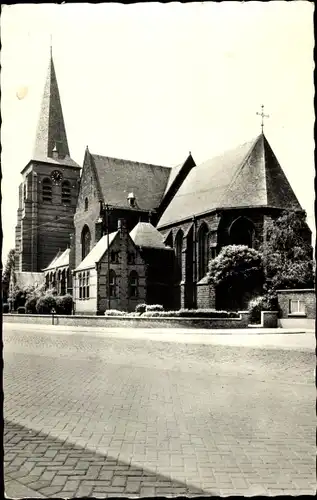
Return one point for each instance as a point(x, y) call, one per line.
point(51, 134)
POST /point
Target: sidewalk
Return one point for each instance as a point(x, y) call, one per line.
point(271, 338)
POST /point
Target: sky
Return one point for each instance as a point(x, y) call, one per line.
point(151, 82)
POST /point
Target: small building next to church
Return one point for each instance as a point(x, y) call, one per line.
point(116, 232)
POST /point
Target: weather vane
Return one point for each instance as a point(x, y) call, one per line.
point(262, 116)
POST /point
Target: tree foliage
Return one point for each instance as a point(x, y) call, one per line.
point(9, 267)
point(288, 252)
point(237, 274)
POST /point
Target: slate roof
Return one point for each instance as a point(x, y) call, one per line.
point(97, 252)
point(247, 176)
point(51, 132)
point(25, 279)
point(117, 178)
point(60, 260)
point(147, 236)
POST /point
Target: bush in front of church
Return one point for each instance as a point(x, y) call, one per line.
point(267, 302)
point(237, 274)
point(64, 304)
point(45, 304)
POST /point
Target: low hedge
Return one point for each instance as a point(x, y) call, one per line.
point(21, 310)
point(191, 313)
point(64, 304)
point(5, 308)
point(45, 304)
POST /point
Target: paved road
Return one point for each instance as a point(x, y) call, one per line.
point(100, 414)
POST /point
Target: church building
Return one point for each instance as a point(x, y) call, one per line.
point(116, 232)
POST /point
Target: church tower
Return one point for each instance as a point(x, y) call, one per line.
point(49, 189)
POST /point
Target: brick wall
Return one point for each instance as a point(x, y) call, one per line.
point(44, 227)
point(307, 296)
point(206, 298)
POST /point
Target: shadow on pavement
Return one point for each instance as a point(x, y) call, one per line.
point(52, 467)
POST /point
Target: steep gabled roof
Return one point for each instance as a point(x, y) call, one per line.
point(247, 176)
point(147, 236)
point(61, 260)
point(51, 143)
point(117, 178)
point(97, 252)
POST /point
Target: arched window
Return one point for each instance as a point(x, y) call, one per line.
point(24, 191)
point(112, 283)
point(133, 284)
point(63, 282)
point(179, 250)
point(59, 279)
point(47, 190)
point(85, 242)
point(203, 251)
point(66, 196)
point(86, 204)
point(242, 232)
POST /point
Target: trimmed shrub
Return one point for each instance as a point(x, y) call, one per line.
point(154, 307)
point(114, 312)
point(21, 310)
point(5, 308)
point(64, 304)
point(30, 304)
point(262, 303)
point(45, 304)
point(140, 308)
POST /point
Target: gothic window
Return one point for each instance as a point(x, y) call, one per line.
point(112, 283)
point(179, 250)
point(203, 251)
point(86, 204)
point(24, 191)
point(85, 242)
point(133, 284)
point(47, 190)
point(66, 196)
point(242, 232)
point(63, 282)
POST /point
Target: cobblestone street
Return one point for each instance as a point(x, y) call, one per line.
point(98, 414)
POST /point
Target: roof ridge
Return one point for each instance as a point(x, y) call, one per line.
point(131, 161)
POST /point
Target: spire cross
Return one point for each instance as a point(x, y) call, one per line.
point(262, 116)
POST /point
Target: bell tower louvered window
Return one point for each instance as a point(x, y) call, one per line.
point(66, 194)
point(47, 190)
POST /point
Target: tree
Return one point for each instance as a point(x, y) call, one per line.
point(9, 268)
point(237, 274)
point(288, 253)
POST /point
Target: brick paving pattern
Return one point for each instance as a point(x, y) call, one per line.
point(86, 415)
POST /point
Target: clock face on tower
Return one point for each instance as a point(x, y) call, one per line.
point(56, 176)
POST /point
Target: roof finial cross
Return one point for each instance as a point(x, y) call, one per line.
point(262, 116)
point(51, 44)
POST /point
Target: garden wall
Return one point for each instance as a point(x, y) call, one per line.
point(306, 314)
point(122, 322)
